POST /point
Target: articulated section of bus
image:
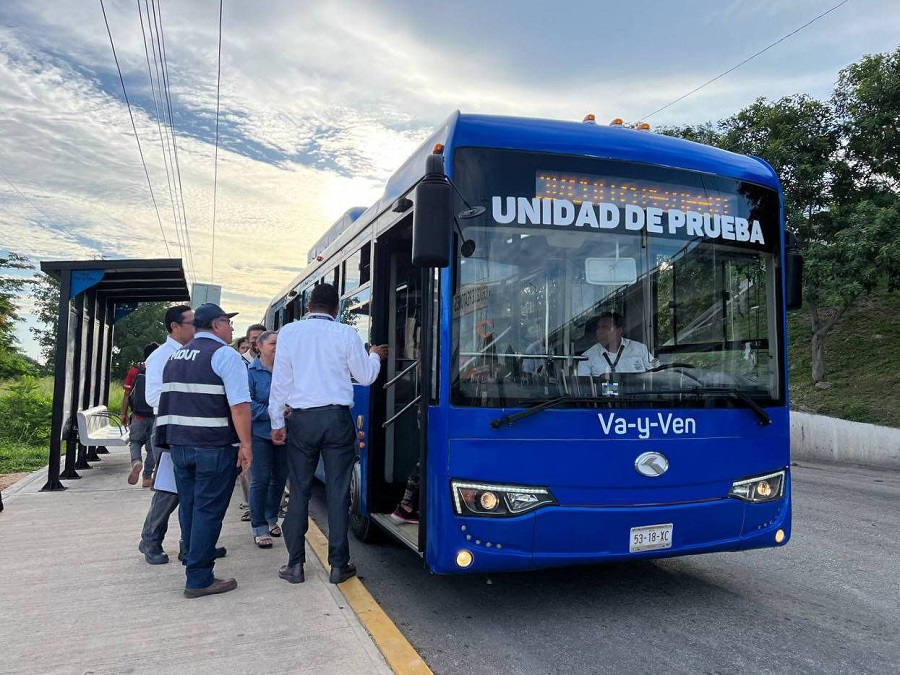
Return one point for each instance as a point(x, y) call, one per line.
point(613, 356)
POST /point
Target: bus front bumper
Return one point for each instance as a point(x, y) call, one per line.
point(559, 535)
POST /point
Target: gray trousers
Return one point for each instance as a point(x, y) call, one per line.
point(162, 505)
point(328, 431)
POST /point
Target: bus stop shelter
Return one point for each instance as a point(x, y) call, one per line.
point(93, 296)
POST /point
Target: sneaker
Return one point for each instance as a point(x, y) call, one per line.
point(136, 468)
point(401, 515)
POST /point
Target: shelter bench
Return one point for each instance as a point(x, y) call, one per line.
point(98, 427)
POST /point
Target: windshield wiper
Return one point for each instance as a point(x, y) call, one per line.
point(739, 395)
point(509, 420)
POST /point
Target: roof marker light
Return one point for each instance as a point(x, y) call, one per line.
point(643, 126)
point(617, 122)
point(438, 149)
point(589, 119)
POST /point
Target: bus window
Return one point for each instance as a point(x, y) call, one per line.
point(355, 312)
point(357, 268)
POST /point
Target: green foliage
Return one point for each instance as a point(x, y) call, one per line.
point(13, 362)
point(144, 325)
point(867, 100)
point(26, 413)
point(45, 292)
point(863, 352)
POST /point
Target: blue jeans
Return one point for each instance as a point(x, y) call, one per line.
point(205, 481)
point(268, 475)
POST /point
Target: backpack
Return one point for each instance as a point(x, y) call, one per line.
point(137, 399)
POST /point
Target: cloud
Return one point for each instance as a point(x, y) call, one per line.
point(321, 102)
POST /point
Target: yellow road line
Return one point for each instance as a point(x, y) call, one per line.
point(397, 651)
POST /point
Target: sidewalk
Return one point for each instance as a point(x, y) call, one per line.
point(77, 597)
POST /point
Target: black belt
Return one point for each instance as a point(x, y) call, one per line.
point(322, 407)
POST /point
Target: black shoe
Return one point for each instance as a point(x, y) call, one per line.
point(159, 557)
point(217, 586)
point(292, 573)
point(221, 552)
point(341, 574)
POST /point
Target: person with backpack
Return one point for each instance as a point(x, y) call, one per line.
point(141, 421)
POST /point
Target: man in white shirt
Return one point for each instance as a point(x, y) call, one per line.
point(180, 324)
point(614, 353)
point(314, 362)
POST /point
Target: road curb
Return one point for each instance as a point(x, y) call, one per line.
point(396, 649)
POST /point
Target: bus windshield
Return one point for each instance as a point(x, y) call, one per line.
point(618, 282)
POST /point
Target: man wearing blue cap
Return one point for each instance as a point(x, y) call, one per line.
point(204, 419)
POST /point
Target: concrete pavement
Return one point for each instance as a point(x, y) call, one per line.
point(77, 597)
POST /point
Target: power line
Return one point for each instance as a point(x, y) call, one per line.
point(161, 41)
point(212, 262)
point(180, 219)
point(22, 195)
point(747, 60)
point(158, 124)
point(134, 127)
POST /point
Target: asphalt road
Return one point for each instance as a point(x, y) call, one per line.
point(828, 602)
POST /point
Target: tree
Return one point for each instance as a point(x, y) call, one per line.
point(45, 292)
point(144, 325)
point(12, 361)
point(867, 102)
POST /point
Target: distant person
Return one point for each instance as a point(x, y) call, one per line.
point(140, 421)
point(253, 333)
point(269, 472)
point(315, 360)
point(242, 345)
point(204, 419)
point(613, 353)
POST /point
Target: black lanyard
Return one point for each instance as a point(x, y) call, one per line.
point(613, 364)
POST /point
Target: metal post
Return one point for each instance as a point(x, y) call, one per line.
point(59, 390)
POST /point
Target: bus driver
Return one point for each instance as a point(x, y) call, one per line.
point(613, 353)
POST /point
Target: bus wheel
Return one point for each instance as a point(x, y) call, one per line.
point(363, 528)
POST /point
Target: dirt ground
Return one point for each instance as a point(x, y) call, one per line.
point(8, 479)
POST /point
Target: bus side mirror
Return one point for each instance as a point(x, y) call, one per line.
point(793, 272)
point(432, 219)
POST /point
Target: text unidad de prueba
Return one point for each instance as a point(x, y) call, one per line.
point(563, 213)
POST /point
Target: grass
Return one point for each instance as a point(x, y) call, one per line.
point(862, 363)
point(15, 456)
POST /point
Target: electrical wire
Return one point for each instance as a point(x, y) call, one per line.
point(134, 128)
point(163, 142)
point(747, 60)
point(212, 261)
point(161, 41)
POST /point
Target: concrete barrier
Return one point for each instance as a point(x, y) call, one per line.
point(827, 439)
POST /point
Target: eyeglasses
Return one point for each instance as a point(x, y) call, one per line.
point(225, 318)
point(186, 323)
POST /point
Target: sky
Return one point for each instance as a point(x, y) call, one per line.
point(320, 102)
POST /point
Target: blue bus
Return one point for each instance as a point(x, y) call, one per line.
point(505, 257)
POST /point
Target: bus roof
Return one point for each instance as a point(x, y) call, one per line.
point(551, 136)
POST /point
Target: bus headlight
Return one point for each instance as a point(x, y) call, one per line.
point(484, 499)
point(759, 488)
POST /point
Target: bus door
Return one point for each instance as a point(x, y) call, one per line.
point(402, 385)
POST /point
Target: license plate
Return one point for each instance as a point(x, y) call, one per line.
point(650, 538)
